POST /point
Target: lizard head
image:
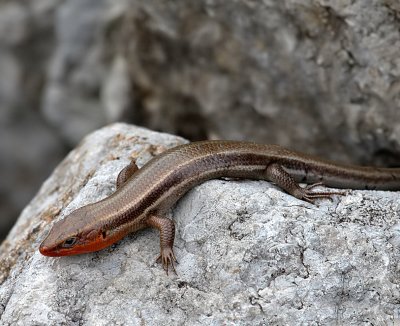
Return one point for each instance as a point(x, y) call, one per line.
point(75, 234)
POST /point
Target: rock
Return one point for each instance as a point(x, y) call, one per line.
point(76, 71)
point(318, 76)
point(277, 72)
point(117, 91)
point(29, 147)
point(248, 253)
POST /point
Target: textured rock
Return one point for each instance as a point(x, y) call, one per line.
point(320, 76)
point(248, 253)
point(29, 148)
point(282, 72)
point(76, 72)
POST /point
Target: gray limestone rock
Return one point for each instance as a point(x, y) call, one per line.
point(71, 98)
point(29, 148)
point(248, 253)
point(315, 75)
point(320, 76)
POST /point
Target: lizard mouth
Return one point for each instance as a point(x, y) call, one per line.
point(50, 252)
point(46, 251)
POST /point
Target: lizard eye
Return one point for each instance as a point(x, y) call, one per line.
point(69, 242)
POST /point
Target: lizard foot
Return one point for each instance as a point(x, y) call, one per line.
point(167, 258)
point(310, 196)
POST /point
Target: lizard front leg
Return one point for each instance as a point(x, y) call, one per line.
point(167, 236)
point(126, 173)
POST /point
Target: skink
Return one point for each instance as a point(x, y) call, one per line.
point(144, 196)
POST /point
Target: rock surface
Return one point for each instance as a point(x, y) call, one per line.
point(248, 253)
point(320, 76)
point(29, 147)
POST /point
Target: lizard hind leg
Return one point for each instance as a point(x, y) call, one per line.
point(126, 173)
point(284, 180)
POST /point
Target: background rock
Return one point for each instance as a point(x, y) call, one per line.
point(248, 253)
point(29, 147)
point(319, 76)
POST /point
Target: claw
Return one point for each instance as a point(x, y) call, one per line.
point(310, 196)
point(311, 186)
point(167, 258)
